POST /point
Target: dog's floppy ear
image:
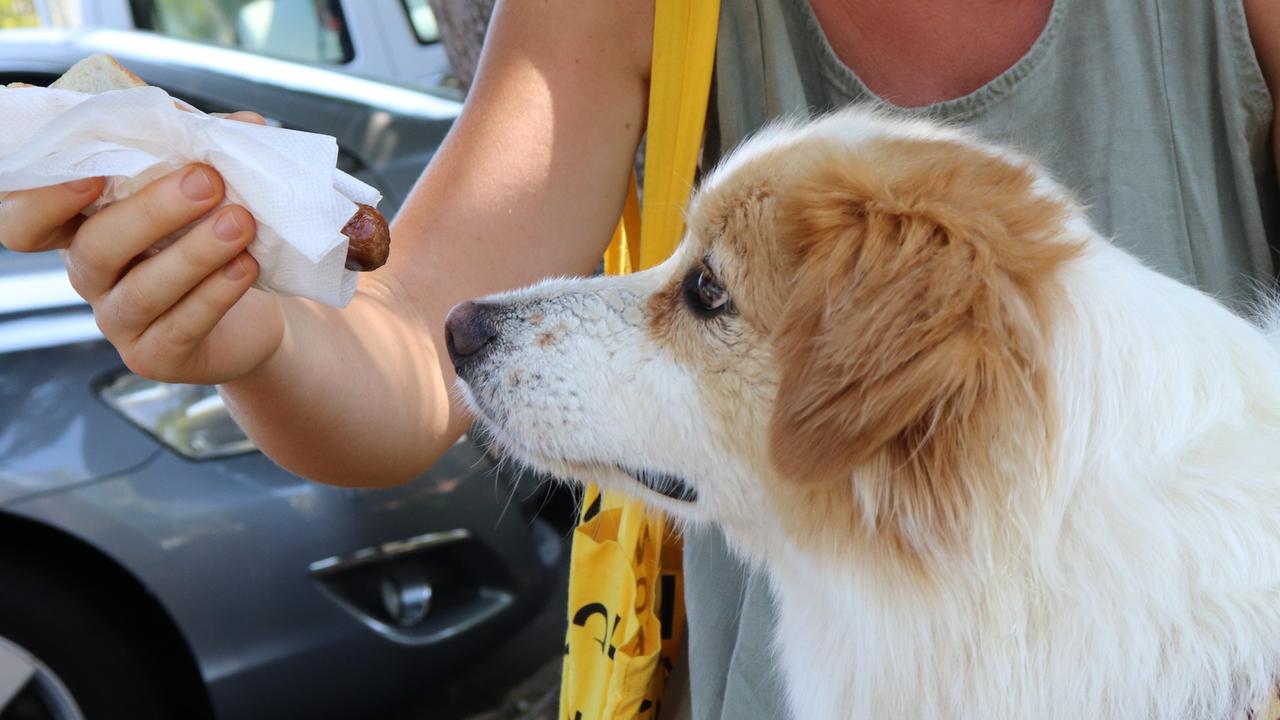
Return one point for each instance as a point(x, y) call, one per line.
point(913, 330)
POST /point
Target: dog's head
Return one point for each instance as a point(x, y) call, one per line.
point(850, 340)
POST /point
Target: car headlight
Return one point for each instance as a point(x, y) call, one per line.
point(190, 419)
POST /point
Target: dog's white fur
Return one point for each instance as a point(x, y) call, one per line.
point(1139, 578)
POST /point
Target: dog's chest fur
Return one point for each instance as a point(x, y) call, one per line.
point(847, 653)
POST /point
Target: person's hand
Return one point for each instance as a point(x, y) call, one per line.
point(183, 314)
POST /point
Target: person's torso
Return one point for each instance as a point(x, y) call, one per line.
point(1154, 113)
point(919, 53)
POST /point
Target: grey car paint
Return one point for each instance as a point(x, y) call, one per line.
point(227, 547)
point(48, 443)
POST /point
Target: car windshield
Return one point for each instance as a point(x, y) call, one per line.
point(312, 31)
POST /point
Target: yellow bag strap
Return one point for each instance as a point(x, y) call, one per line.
point(623, 558)
point(684, 43)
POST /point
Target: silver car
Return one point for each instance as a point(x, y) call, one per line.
point(152, 563)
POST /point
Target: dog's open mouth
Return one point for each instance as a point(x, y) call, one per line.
point(666, 485)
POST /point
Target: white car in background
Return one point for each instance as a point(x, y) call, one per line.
point(389, 40)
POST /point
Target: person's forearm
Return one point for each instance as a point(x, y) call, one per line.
point(353, 397)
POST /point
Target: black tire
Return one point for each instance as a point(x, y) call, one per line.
point(83, 637)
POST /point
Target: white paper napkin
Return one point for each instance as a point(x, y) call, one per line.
point(285, 178)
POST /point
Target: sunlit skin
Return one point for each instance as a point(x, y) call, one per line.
point(528, 184)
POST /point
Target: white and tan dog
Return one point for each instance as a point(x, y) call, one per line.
point(993, 466)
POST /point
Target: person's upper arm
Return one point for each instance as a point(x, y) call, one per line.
point(533, 176)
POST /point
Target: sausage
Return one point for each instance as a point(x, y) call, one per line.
point(370, 240)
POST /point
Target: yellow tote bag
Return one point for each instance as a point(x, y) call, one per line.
point(626, 594)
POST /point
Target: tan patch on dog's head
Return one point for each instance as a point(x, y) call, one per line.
point(913, 346)
point(893, 301)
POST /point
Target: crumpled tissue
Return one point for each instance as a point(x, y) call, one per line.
point(286, 178)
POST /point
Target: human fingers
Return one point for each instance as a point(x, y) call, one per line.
point(243, 116)
point(45, 218)
point(154, 285)
point(170, 347)
point(108, 242)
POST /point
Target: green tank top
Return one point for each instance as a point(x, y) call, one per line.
point(1153, 112)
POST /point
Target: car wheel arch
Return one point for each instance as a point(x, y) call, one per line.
point(63, 555)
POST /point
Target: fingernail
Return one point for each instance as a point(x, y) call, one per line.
point(236, 269)
point(81, 186)
point(227, 228)
point(197, 185)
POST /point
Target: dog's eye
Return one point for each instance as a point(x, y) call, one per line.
point(704, 293)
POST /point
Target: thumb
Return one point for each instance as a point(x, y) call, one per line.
point(243, 116)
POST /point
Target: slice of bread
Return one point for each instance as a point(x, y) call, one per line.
point(97, 74)
point(15, 86)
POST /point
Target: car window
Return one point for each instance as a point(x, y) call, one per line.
point(423, 21)
point(312, 31)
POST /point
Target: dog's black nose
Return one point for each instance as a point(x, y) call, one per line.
point(467, 331)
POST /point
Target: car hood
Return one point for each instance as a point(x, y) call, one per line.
point(54, 431)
